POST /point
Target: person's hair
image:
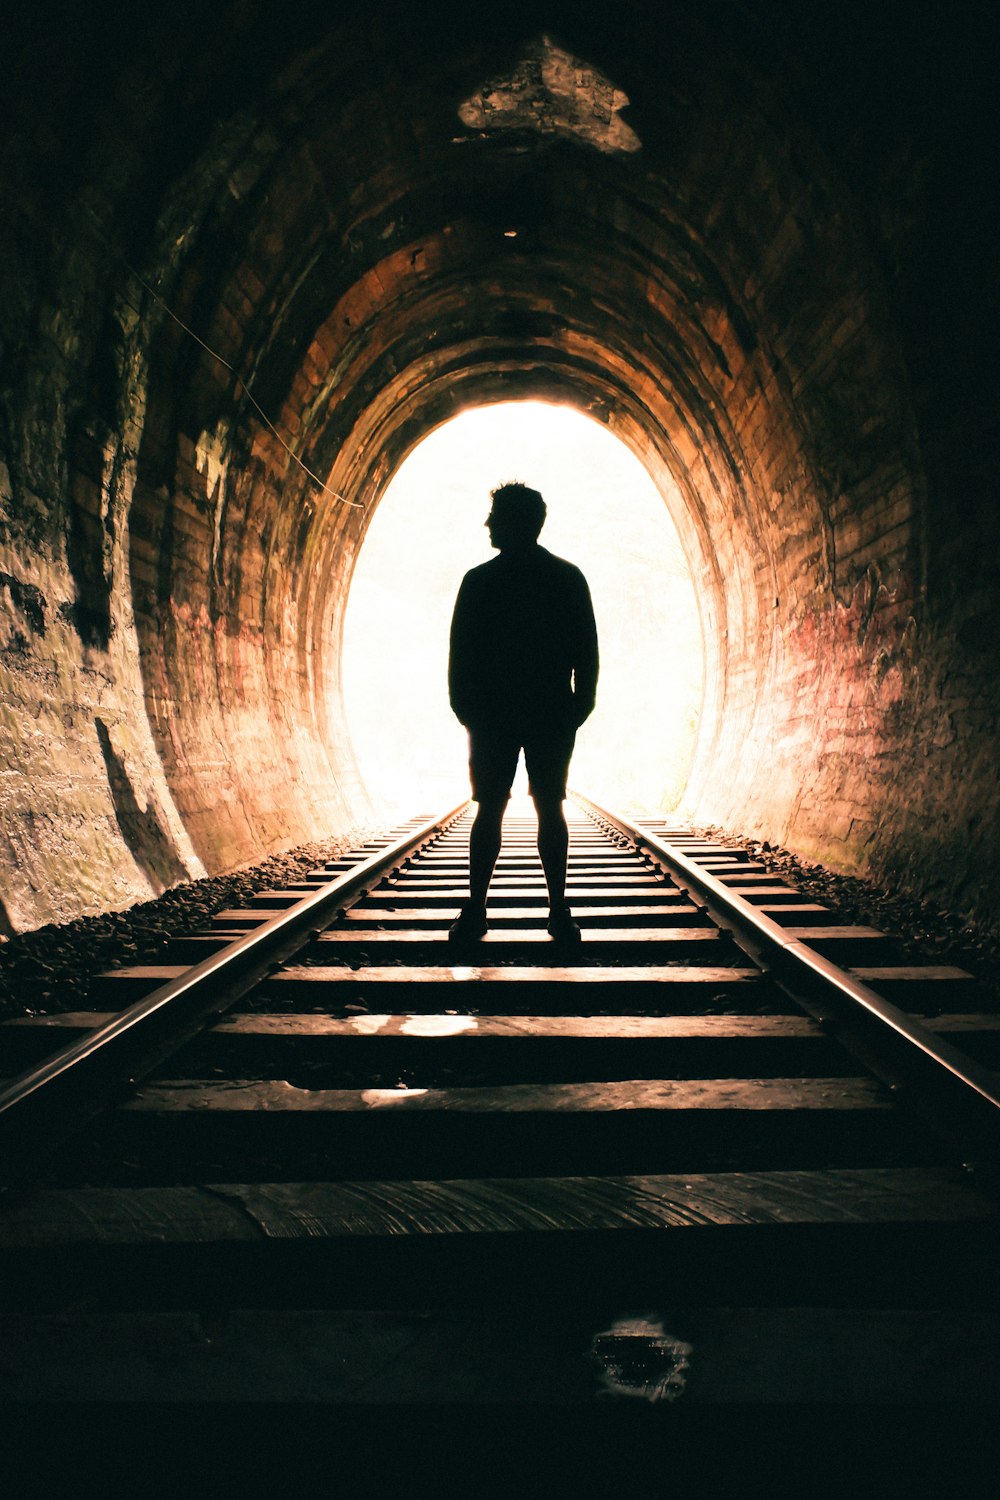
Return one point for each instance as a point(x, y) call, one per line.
point(519, 505)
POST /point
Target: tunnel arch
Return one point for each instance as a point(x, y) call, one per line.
point(559, 318)
point(359, 263)
point(606, 515)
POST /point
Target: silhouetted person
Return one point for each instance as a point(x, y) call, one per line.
point(522, 674)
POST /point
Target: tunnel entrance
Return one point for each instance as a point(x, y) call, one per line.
point(606, 515)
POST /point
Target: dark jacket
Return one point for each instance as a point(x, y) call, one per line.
point(523, 642)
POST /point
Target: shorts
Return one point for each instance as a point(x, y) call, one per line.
point(493, 757)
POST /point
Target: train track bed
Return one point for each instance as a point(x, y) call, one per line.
point(926, 933)
point(657, 1172)
point(55, 967)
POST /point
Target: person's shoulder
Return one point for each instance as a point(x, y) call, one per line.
point(562, 568)
point(481, 573)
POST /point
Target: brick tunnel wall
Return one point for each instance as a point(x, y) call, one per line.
point(773, 282)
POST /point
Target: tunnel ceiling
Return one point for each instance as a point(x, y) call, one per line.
point(269, 252)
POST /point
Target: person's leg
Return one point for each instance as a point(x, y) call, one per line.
point(548, 755)
point(492, 763)
point(484, 846)
point(553, 843)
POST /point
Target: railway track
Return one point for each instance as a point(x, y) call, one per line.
point(720, 1156)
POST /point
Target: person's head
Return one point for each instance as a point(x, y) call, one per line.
point(516, 517)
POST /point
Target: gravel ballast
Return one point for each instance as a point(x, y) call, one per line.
point(52, 969)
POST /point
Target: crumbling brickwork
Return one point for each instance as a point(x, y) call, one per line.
point(746, 270)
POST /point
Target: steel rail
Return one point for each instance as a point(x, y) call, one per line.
point(78, 1080)
point(979, 1083)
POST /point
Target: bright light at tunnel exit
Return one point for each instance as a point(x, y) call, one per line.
point(606, 515)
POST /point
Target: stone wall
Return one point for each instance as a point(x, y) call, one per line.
point(254, 275)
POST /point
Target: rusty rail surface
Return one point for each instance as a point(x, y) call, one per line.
point(811, 974)
point(82, 1078)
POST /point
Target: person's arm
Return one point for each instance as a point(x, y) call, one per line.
point(585, 657)
point(460, 669)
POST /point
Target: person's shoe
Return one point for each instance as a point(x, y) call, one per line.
point(562, 927)
point(468, 927)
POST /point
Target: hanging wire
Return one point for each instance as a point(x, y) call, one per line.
point(327, 489)
point(241, 383)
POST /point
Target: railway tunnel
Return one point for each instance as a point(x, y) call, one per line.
point(252, 257)
point(729, 1156)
